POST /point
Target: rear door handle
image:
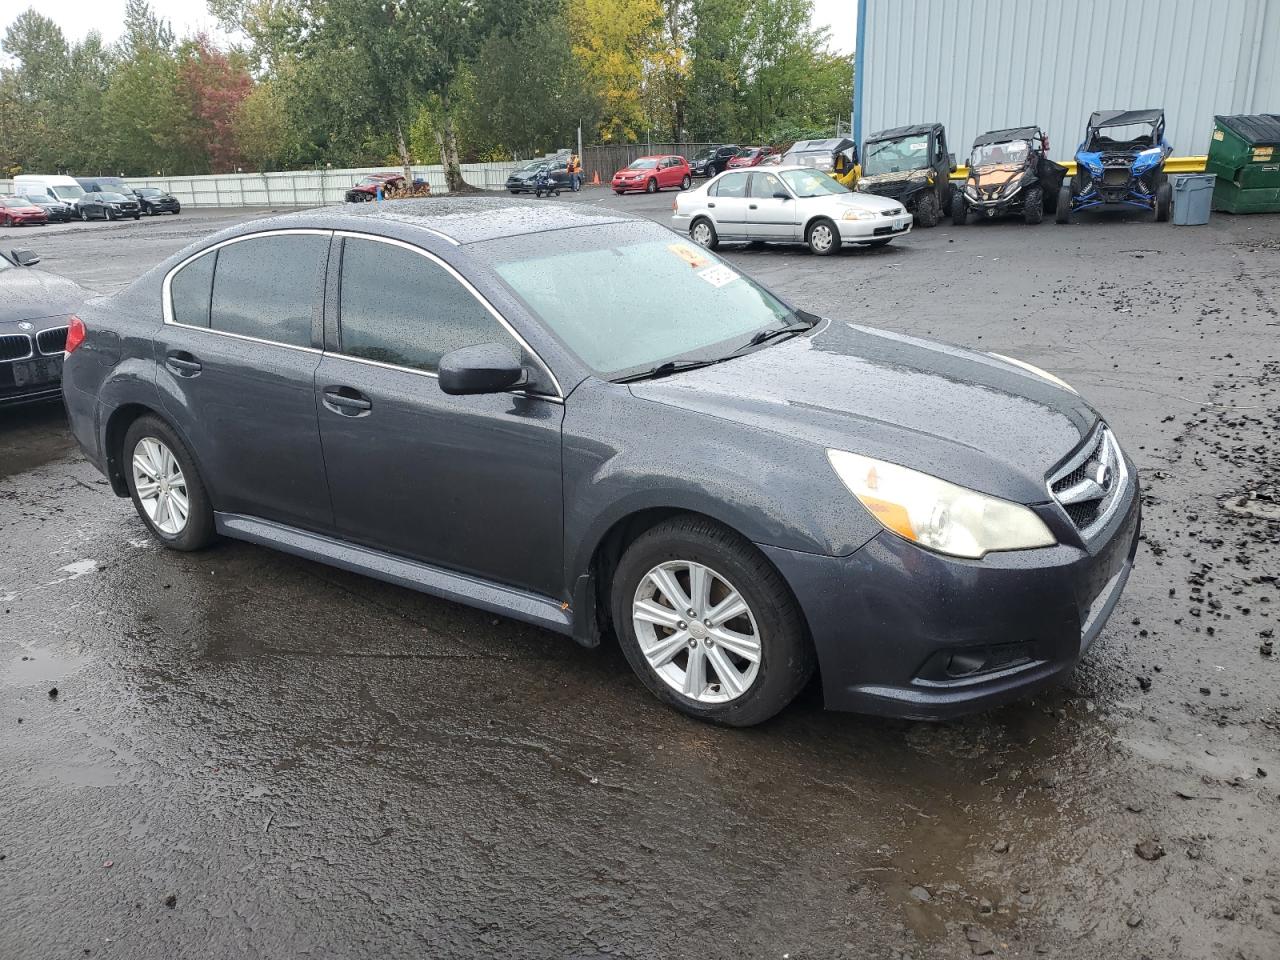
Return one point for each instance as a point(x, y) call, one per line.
point(347, 401)
point(754, 207)
point(182, 363)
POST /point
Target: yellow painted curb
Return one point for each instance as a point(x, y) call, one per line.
point(1172, 165)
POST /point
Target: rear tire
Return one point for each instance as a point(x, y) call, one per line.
point(959, 210)
point(84, 214)
point(1063, 213)
point(927, 210)
point(823, 237)
point(703, 232)
point(1164, 202)
point(197, 529)
point(686, 182)
point(770, 626)
point(1033, 205)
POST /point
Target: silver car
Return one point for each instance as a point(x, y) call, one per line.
point(787, 204)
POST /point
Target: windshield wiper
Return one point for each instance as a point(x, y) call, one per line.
point(792, 328)
point(668, 368)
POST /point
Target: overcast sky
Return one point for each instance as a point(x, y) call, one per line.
point(77, 17)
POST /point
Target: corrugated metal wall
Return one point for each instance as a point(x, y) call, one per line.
point(978, 65)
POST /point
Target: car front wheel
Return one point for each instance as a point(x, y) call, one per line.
point(708, 624)
point(651, 186)
point(165, 485)
point(823, 238)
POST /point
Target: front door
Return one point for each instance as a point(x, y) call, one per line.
point(469, 483)
point(769, 217)
point(728, 202)
point(236, 360)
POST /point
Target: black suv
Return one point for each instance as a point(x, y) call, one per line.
point(713, 159)
point(912, 165)
point(108, 206)
point(155, 201)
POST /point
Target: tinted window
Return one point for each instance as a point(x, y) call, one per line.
point(267, 288)
point(766, 185)
point(399, 307)
point(189, 291)
point(732, 185)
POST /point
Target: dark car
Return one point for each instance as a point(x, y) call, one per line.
point(36, 308)
point(154, 201)
point(21, 212)
point(523, 180)
point(108, 206)
point(1009, 172)
point(55, 210)
point(713, 159)
point(911, 165)
point(581, 420)
point(106, 185)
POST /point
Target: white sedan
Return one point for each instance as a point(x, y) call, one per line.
point(787, 204)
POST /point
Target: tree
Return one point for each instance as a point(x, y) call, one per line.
point(211, 86)
point(612, 39)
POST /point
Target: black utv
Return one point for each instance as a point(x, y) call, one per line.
point(1009, 172)
point(911, 165)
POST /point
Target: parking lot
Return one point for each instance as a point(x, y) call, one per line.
point(251, 755)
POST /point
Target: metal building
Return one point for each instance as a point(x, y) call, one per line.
point(978, 65)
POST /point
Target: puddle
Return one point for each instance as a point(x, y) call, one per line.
point(39, 666)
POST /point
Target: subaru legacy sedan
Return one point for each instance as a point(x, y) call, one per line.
point(587, 422)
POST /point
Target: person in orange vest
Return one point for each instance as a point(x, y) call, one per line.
point(575, 172)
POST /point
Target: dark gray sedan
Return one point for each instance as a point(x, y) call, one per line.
point(582, 420)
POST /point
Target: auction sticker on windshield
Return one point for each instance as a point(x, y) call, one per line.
point(694, 258)
point(718, 276)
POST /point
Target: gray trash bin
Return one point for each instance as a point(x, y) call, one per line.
point(1192, 198)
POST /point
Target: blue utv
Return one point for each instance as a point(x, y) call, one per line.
point(1120, 162)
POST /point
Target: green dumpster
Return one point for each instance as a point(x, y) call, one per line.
point(1244, 154)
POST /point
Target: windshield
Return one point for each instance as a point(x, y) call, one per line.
point(114, 197)
point(1131, 136)
point(811, 183)
point(706, 153)
point(147, 192)
point(14, 202)
point(647, 163)
point(994, 153)
point(895, 156)
point(68, 192)
point(627, 297)
point(39, 201)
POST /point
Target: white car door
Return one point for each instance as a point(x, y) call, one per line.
point(769, 217)
point(727, 203)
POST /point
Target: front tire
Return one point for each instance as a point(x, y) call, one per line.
point(1063, 213)
point(84, 214)
point(927, 212)
point(1164, 202)
point(823, 237)
point(703, 232)
point(109, 215)
point(742, 655)
point(651, 186)
point(1033, 206)
point(959, 210)
point(165, 485)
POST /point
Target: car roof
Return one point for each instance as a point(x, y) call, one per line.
point(461, 220)
point(1121, 118)
point(1006, 136)
point(897, 133)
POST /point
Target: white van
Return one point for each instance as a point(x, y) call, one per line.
point(58, 187)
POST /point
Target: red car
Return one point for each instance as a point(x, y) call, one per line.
point(652, 174)
point(751, 156)
point(19, 211)
point(367, 187)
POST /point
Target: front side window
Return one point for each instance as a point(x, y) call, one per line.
point(732, 185)
point(266, 287)
point(401, 308)
point(765, 185)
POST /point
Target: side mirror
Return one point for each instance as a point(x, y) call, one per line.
point(951, 157)
point(483, 368)
point(25, 258)
point(781, 195)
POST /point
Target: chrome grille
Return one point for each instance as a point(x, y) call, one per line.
point(52, 341)
point(1090, 485)
point(15, 346)
point(892, 213)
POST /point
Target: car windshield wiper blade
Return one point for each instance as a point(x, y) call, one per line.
point(789, 329)
point(668, 368)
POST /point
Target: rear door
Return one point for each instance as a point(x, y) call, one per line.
point(728, 202)
point(469, 483)
point(768, 216)
point(236, 360)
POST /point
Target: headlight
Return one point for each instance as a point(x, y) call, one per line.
point(862, 185)
point(1010, 188)
point(970, 190)
point(1032, 368)
point(1094, 167)
point(936, 514)
point(858, 215)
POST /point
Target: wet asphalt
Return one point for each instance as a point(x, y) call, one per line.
point(251, 755)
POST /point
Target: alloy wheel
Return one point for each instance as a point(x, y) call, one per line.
point(161, 486)
point(696, 631)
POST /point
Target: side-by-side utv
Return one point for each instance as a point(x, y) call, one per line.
point(911, 165)
point(1009, 172)
point(1121, 161)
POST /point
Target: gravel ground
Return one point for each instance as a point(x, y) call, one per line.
point(250, 755)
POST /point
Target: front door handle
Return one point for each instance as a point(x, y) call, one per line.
point(754, 206)
point(710, 204)
point(347, 401)
point(182, 363)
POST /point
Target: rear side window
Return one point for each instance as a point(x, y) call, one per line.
point(400, 308)
point(190, 290)
point(267, 287)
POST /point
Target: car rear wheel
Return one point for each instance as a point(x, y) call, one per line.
point(707, 623)
point(1063, 214)
point(1164, 202)
point(959, 210)
point(686, 182)
point(822, 237)
point(165, 485)
point(651, 186)
point(703, 233)
point(1033, 205)
point(927, 210)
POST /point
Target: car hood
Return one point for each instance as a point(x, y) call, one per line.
point(967, 417)
point(854, 201)
point(28, 294)
point(894, 182)
point(996, 174)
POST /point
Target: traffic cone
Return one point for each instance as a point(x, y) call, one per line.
point(595, 179)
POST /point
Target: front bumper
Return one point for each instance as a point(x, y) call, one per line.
point(904, 632)
point(38, 377)
point(637, 184)
point(860, 231)
point(25, 219)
